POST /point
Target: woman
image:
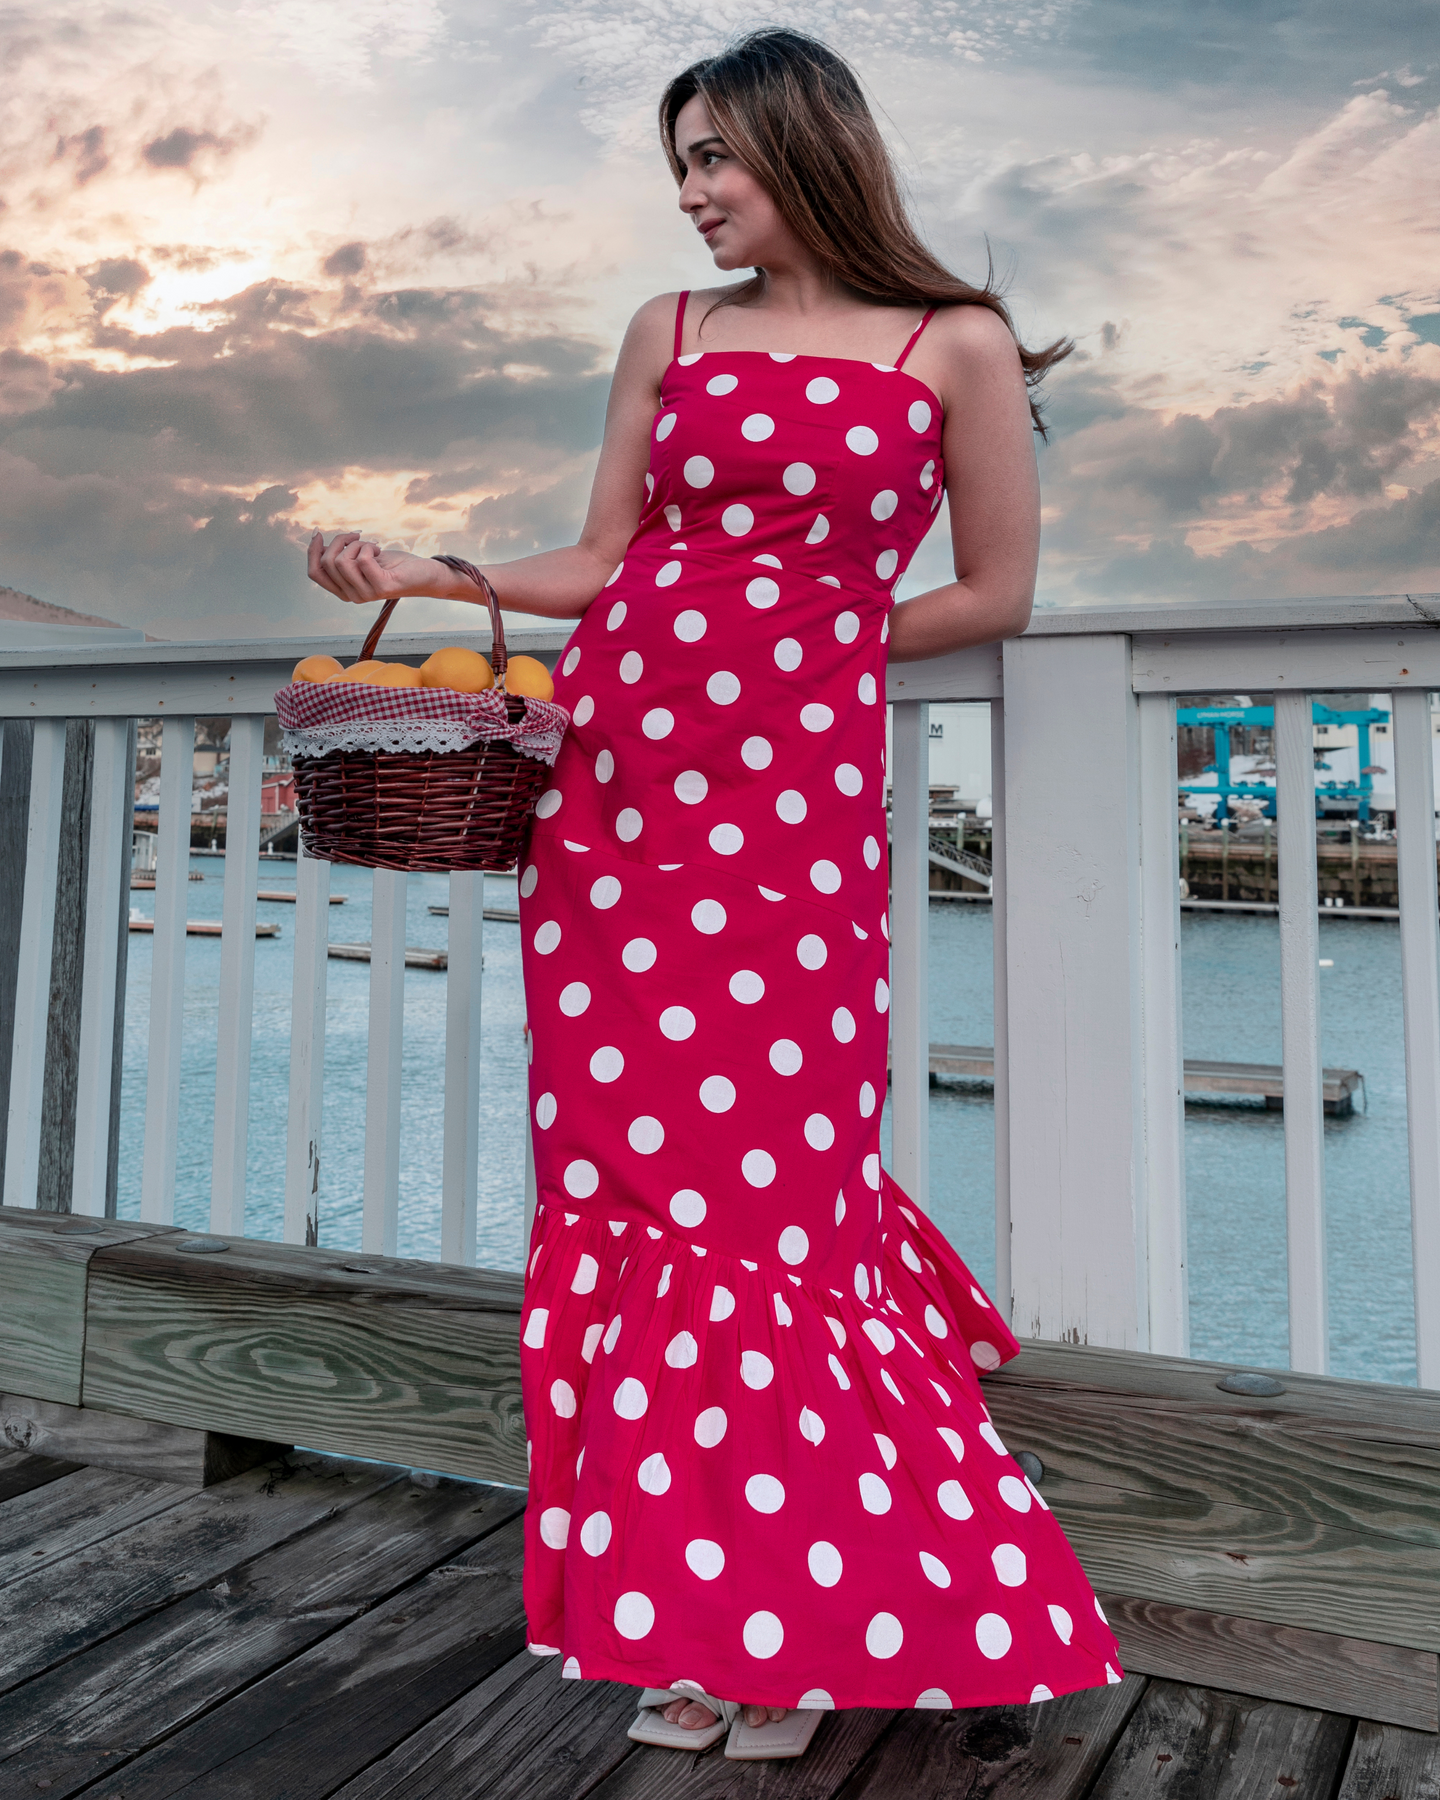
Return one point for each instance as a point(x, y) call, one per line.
point(762, 1470)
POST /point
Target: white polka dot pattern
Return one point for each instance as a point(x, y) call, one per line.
point(740, 1343)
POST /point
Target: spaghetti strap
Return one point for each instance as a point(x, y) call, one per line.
point(914, 337)
point(680, 324)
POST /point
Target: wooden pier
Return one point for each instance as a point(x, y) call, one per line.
point(191, 1609)
point(975, 1062)
point(323, 1629)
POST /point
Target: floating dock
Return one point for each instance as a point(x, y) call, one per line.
point(414, 958)
point(282, 895)
point(971, 1062)
point(506, 915)
point(203, 927)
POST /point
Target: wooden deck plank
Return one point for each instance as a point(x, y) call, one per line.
point(106, 1705)
point(522, 1734)
point(1389, 1763)
point(360, 1355)
point(1278, 1662)
point(314, 1724)
point(839, 1746)
point(133, 1568)
point(44, 1527)
point(1049, 1752)
point(1196, 1744)
point(21, 1472)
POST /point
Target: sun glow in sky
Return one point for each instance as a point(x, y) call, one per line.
point(366, 263)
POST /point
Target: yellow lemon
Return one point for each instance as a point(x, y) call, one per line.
point(524, 675)
point(463, 671)
point(369, 672)
point(317, 668)
point(397, 675)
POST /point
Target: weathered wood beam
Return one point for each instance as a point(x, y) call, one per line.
point(415, 1363)
point(43, 1265)
point(1318, 1507)
point(101, 1440)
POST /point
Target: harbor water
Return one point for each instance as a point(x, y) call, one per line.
point(1235, 1163)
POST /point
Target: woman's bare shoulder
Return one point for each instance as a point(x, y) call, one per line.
point(972, 333)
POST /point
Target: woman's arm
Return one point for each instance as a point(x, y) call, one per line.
point(557, 584)
point(993, 487)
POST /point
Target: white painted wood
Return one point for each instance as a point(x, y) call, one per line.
point(1420, 966)
point(1300, 1033)
point(910, 949)
point(1073, 978)
point(32, 977)
point(167, 973)
point(1164, 1167)
point(1003, 1295)
point(976, 673)
point(168, 680)
point(307, 1050)
point(1250, 662)
point(381, 1212)
point(1226, 613)
point(460, 1175)
point(111, 813)
point(237, 977)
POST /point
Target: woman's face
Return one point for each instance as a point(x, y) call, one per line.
point(726, 204)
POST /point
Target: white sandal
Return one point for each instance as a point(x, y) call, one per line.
point(774, 1739)
point(652, 1727)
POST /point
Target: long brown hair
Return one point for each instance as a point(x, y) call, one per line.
point(792, 110)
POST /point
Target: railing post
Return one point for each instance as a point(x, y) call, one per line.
point(167, 973)
point(1300, 1034)
point(102, 986)
point(55, 1185)
point(1004, 1294)
point(460, 1171)
point(307, 1049)
point(1420, 966)
point(1164, 1145)
point(910, 949)
point(1073, 983)
point(32, 984)
point(237, 978)
point(380, 1226)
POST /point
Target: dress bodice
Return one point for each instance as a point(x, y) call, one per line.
point(730, 679)
point(823, 466)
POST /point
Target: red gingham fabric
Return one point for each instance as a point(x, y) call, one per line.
point(318, 717)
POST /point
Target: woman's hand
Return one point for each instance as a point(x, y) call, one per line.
point(361, 572)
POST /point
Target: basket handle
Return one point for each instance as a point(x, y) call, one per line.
point(498, 658)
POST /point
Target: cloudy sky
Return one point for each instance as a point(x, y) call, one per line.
point(271, 263)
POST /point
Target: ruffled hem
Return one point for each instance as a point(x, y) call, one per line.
point(789, 1493)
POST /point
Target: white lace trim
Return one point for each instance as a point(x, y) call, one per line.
point(415, 737)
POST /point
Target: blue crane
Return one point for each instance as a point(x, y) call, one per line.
point(1226, 718)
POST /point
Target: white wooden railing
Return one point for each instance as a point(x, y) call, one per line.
point(1090, 1177)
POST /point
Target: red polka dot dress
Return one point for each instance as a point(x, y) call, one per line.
point(760, 1457)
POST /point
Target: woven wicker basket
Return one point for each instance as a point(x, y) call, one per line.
point(437, 811)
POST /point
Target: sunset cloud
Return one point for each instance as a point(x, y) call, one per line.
point(264, 266)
